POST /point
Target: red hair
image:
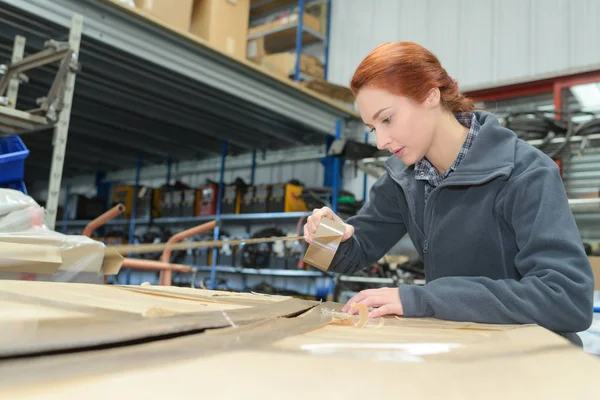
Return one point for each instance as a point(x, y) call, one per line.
point(410, 70)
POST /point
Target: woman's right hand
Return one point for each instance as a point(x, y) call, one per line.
point(315, 219)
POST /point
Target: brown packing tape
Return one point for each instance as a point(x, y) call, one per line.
point(111, 265)
point(325, 243)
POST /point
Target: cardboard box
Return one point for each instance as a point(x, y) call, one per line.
point(255, 50)
point(335, 92)
point(595, 263)
point(274, 336)
point(223, 23)
point(285, 64)
point(309, 21)
point(176, 14)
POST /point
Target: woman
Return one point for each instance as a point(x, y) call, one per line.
point(487, 212)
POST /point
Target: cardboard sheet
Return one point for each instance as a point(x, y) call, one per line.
point(305, 357)
point(65, 316)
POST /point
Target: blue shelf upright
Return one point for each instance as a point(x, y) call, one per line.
point(217, 230)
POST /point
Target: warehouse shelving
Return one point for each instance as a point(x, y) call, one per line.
point(149, 93)
point(295, 35)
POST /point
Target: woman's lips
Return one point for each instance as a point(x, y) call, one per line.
point(399, 152)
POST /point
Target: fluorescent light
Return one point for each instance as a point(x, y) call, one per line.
point(587, 95)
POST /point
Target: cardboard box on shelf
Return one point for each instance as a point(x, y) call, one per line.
point(335, 92)
point(309, 21)
point(280, 34)
point(223, 23)
point(255, 50)
point(176, 14)
point(285, 64)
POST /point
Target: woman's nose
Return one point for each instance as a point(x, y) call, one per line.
point(382, 141)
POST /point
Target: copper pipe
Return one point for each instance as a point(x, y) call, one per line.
point(103, 219)
point(165, 276)
point(152, 265)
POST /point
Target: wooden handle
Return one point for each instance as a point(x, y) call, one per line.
point(151, 248)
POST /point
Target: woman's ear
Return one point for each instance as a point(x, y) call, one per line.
point(433, 98)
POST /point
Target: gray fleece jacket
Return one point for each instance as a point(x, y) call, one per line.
point(497, 237)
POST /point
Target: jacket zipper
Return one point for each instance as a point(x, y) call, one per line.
point(430, 203)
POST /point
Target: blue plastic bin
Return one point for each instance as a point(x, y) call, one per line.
point(12, 162)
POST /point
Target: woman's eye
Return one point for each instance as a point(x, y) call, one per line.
point(387, 120)
point(372, 130)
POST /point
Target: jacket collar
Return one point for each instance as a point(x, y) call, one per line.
point(491, 155)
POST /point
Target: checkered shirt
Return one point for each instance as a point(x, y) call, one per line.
point(424, 170)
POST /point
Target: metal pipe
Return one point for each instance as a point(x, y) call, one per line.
point(217, 231)
point(299, 37)
point(153, 265)
point(165, 276)
point(103, 219)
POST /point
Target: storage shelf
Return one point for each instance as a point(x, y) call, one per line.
point(374, 279)
point(264, 271)
point(366, 279)
point(146, 83)
point(239, 218)
point(283, 37)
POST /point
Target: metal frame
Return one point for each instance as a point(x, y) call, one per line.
point(51, 104)
point(553, 85)
point(13, 86)
point(61, 129)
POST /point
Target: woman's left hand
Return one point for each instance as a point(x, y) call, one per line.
point(386, 299)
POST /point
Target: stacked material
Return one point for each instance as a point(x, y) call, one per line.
point(164, 342)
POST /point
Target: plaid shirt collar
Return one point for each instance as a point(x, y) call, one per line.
point(424, 170)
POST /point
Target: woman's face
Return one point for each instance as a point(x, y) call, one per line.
point(402, 127)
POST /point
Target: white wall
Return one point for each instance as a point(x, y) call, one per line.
point(481, 43)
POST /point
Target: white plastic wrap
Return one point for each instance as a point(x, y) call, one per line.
point(13, 200)
point(22, 222)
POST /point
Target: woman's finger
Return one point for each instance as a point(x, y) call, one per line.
point(357, 298)
point(307, 235)
point(388, 309)
point(375, 301)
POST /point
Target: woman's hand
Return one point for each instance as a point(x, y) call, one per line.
point(387, 299)
point(315, 219)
